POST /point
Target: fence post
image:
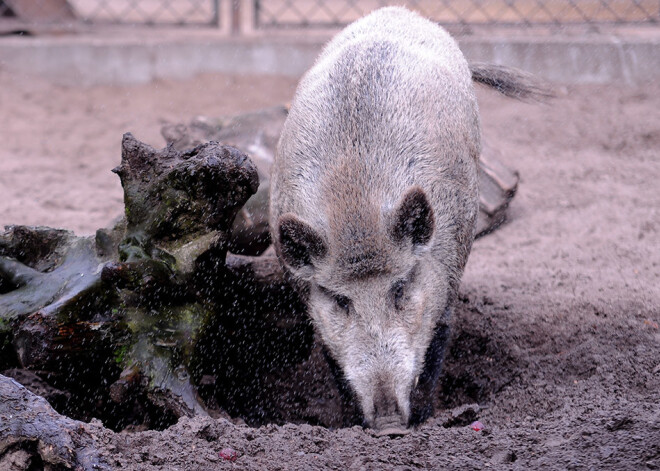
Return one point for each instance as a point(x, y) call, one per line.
point(223, 9)
point(245, 14)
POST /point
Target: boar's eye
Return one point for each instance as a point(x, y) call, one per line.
point(342, 302)
point(400, 289)
point(398, 292)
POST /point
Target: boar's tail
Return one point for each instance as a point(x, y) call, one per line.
point(511, 82)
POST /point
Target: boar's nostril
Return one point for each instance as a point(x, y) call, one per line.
point(386, 407)
point(385, 403)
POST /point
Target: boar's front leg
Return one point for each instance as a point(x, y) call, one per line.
point(421, 397)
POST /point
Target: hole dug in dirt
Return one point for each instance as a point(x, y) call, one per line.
point(252, 368)
point(478, 364)
point(264, 375)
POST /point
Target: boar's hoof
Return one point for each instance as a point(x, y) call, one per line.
point(391, 426)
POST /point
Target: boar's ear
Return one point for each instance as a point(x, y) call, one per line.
point(299, 243)
point(413, 219)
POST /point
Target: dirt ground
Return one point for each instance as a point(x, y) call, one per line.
point(556, 337)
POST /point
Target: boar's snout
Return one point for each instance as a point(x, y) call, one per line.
point(391, 424)
point(388, 417)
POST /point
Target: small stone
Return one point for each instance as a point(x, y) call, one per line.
point(477, 426)
point(228, 454)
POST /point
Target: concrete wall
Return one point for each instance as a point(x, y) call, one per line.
point(119, 56)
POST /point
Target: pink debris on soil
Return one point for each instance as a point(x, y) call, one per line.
point(228, 454)
point(477, 426)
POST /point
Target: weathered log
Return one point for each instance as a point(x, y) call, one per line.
point(497, 187)
point(34, 436)
point(172, 197)
point(133, 299)
point(257, 134)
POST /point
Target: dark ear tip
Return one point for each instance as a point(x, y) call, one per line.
point(414, 217)
point(417, 195)
point(287, 223)
point(298, 241)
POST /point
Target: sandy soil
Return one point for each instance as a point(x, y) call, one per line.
point(556, 338)
point(59, 144)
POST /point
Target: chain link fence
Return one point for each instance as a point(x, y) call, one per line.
point(182, 12)
point(149, 12)
point(287, 14)
point(316, 14)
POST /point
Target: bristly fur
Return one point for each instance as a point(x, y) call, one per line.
point(378, 160)
point(374, 200)
point(511, 82)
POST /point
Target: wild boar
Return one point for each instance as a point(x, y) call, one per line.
point(374, 200)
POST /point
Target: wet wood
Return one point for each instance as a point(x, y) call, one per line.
point(34, 436)
point(133, 299)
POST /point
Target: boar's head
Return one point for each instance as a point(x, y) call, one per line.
point(378, 300)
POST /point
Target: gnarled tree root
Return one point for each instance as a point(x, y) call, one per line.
point(34, 436)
